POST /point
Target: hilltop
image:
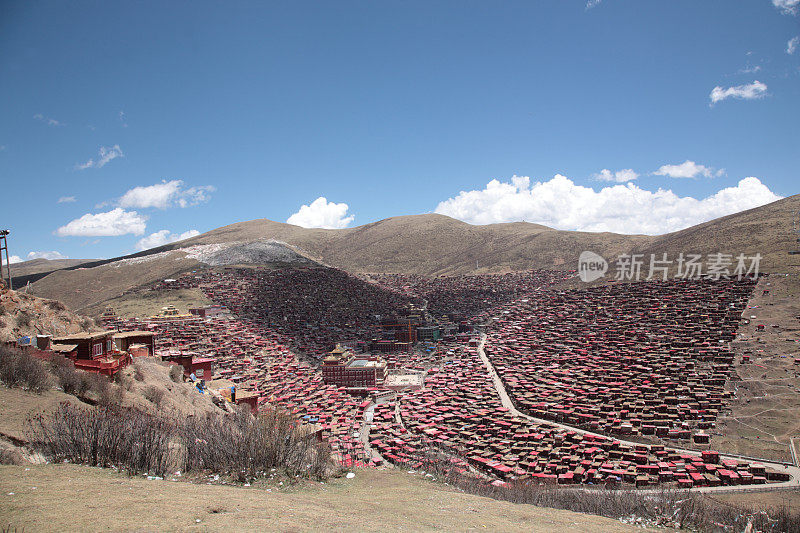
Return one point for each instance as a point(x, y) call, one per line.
point(26, 315)
point(428, 245)
point(39, 266)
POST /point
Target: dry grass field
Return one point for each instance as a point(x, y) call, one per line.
point(146, 303)
point(76, 498)
point(766, 412)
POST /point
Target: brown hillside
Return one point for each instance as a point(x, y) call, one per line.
point(37, 266)
point(767, 230)
point(24, 315)
point(389, 500)
point(438, 245)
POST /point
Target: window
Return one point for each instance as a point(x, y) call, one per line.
point(97, 349)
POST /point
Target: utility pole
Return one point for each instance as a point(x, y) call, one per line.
point(4, 246)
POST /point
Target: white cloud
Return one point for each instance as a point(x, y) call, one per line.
point(166, 194)
point(620, 176)
point(160, 238)
point(46, 255)
point(47, 120)
point(322, 214)
point(749, 70)
point(687, 169)
point(560, 203)
point(592, 3)
point(66, 199)
point(105, 155)
point(15, 259)
point(787, 7)
point(750, 91)
point(109, 224)
point(791, 46)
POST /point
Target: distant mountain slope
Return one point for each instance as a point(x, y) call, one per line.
point(38, 266)
point(91, 284)
point(431, 244)
point(770, 230)
point(435, 245)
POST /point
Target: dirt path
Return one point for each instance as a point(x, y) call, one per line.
point(793, 471)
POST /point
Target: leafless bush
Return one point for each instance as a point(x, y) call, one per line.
point(87, 323)
point(154, 395)
point(176, 373)
point(55, 305)
point(20, 369)
point(23, 319)
point(112, 394)
point(105, 436)
point(238, 445)
point(138, 373)
point(123, 379)
point(10, 457)
point(245, 446)
point(77, 382)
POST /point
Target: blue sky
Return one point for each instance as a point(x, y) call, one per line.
point(125, 125)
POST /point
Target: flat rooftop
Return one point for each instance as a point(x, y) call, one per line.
point(404, 380)
point(364, 363)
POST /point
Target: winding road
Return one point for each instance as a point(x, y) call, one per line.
point(792, 470)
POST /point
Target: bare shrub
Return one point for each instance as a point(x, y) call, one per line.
point(10, 457)
point(154, 395)
point(55, 305)
point(244, 446)
point(77, 382)
point(21, 370)
point(23, 319)
point(138, 373)
point(123, 379)
point(65, 373)
point(238, 444)
point(176, 373)
point(105, 436)
point(87, 324)
point(112, 394)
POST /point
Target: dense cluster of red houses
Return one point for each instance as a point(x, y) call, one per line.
point(639, 355)
point(459, 412)
point(624, 359)
point(262, 366)
point(469, 296)
point(314, 308)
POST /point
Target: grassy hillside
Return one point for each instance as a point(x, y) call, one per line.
point(374, 500)
point(436, 245)
point(37, 266)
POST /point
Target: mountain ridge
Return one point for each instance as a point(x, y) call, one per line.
point(433, 245)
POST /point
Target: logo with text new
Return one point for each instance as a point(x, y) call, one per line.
point(591, 266)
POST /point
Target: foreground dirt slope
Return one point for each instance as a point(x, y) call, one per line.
point(68, 497)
